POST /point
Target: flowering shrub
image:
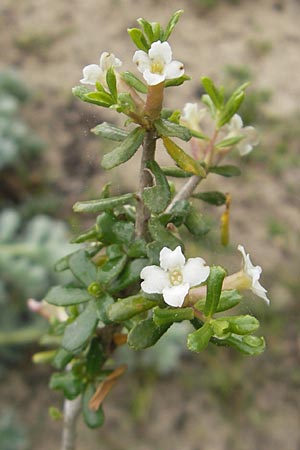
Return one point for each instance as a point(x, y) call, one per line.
point(131, 278)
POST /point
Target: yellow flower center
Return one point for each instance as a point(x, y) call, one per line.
point(176, 277)
point(157, 67)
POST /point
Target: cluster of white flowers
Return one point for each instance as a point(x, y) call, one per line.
point(175, 276)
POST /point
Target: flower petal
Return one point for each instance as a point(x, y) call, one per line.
point(236, 124)
point(160, 51)
point(91, 74)
point(153, 79)
point(141, 59)
point(260, 291)
point(108, 60)
point(174, 296)
point(174, 69)
point(171, 259)
point(195, 272)
point(155, 280)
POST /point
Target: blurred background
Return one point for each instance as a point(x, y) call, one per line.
point(217, 400)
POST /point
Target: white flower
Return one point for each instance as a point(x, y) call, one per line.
point(250, 134)
point(192, 115)
point(174, 277)
point(94, 72)
point(157, 65)
point(253, 273)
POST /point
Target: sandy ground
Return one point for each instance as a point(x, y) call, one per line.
point(188, 413)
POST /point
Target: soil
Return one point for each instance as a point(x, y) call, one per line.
point(249, 404)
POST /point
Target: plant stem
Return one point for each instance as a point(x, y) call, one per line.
point(142, 213)
point(185, 191)
point(71, 412)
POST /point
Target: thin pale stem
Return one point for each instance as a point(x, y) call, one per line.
point(142, 213)
point(185, 192)
point(71, 412)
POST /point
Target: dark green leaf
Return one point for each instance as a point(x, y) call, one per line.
point(130, 275)
point(228, 300)
point(214, 289)
point(114, 251)
point(213, 197)
point(156, 198)
point(111, 269)
point(226, 171)
point(145, 334)
point(161, 234)
point(195, 223)
point(102, 305)
point(231, 108)
point(83, 267)
point(157, 31)
point(242, 324)
point(172, 23)
point(95, 358)
point(198, 340)
point(110, 131)
point(89, 235)
point(169, 315)
point(177, 215)
point(214, 93)
point(104, 204)
point(176, 172)
point(99, 98)
point(138, 39)
point(63, 296)
point(112, 83)
point(125, 308)
point(93, 419)
point(78, 332)
point(62, 358)
point(66, 382)
point(147, 28)
point(177, 81)
point(248, 345)
point(134, 82)
point(112, 231)
point(125, 150)
point(167, 128)
point(137, 249)
point(182, 159)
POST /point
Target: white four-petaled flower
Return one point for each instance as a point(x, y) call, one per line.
point(157, 65)
point(192, 115)
point(95, 72)
point(250, 134)
point(253, 273)
point(174, 277)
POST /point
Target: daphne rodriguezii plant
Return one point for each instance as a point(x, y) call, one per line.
point(250, 135)
point(157, 65)
point(174, 277)
point(94, 73)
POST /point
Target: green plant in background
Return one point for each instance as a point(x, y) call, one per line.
point(13, 435)
point(130, 280)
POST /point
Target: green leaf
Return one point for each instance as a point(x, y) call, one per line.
point(110, 131)
point(242, 324)
point(125, 150)
point(111, 269)
point(125, 103)
point(138, 39)
point(220, 328)
point(102, 304)
point(113, 231)
point(213, 197)
point(78, 332)
point(93, 419)
point(67, 382)
point(248, 345)
point(231, 108)
point(199, 135)
point(157, 31)
point(170, 315)
point(95, 358)
point(145, 334)
point(130, 275)
point(195, 223)
point(134, 82)
point(80, 92)
point(167, 128)
point(171, 25)
point(112, 83)
point(88, 235)
point(157, 198)
point(137, 249)
point(214, 93)
point(198, 340)
point(177, 81)
point(104, 204)
point(228, 300)
point(83, 267)
point(61, 359)
point(226, 171)
point(125, 308)
point(177, 215)
point(161, 234)
point(175, 172)
point(147, 28)
point(64, 296)
point(214, 289)
point(182, 159)
point(99, 98)
point(229, 142)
